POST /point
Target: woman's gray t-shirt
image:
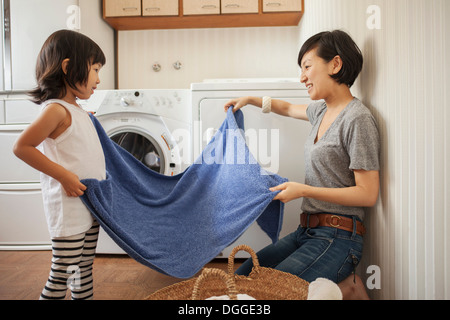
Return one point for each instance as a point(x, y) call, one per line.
point(351, 143)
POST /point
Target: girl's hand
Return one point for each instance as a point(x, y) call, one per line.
point(289, 191)
point(236, 103)
point(72, 185)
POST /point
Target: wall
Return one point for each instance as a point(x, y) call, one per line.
point(205, 54)
point(403, 82)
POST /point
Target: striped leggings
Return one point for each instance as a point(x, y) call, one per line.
point(72, 262)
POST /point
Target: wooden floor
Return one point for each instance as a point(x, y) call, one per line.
point(116, 277)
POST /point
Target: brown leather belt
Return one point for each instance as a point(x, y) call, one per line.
point(330, 220)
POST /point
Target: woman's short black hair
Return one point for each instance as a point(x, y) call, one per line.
point(330, 44)
point(81, 51)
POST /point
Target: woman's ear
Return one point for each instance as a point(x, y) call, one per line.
point(336, 65)
point(64, 65)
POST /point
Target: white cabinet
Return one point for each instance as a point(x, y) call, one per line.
point(27, 24)
point(201, 7)
point(122, 8)
point(13, 169)
point(20, 110)
point(282, 5)
point(239, 6)
point(22, 218)
point(159, 7)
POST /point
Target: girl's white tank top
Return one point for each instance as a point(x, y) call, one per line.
point(78, 149)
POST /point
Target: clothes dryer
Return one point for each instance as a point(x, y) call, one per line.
point(276, 142)
point(153, 125)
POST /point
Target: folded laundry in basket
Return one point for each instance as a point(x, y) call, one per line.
point(177, 224)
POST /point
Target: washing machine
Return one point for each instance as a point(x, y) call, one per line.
point(153, 125)
point(276, 142)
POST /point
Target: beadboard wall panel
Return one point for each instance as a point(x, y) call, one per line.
point(404, 82)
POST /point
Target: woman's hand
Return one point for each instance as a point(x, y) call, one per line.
point(72, 185)
point(289, 191)
point(364, 194)
point(236, 103)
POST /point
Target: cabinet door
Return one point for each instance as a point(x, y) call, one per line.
point(30, 24)
point(14, 170)
point(192, 7)
point(282, 5)
point(122, 8)
point(239, 6)
point(23, 219)
point(159, 7)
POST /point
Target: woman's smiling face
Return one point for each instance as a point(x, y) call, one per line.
point(316, 75)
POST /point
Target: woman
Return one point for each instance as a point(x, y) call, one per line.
point(341, 168)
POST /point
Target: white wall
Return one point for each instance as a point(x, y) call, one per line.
point(404, 82)
point(205, 54)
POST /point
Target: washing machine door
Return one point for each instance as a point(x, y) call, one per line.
point(143, 147)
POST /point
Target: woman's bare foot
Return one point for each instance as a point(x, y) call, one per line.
point(353, 288)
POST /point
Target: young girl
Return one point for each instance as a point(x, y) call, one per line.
point(341, 167)
point(63, 144)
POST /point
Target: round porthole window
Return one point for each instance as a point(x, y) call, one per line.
point(143, 148)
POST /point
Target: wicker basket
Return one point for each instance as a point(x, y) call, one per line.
point(262, 284)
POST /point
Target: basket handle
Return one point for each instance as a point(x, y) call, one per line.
point(210, 272)
point(242, 247)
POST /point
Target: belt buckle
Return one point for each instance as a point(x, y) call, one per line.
point(335, 225)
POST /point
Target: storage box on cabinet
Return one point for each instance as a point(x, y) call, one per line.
point(160, 8)
point(122, 8)
point(184, 14)
point(282, 5)
point(201, 7)
point(239, 6)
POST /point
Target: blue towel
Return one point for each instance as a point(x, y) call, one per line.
point(176, 225)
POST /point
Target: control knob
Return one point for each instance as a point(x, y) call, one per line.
point(125, 102)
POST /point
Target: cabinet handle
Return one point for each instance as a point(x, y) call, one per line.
point(153, 9)
point(129, 9)
point(232, 5)
point(209, 6)
point(273, 4)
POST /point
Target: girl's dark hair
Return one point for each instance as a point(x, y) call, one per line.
point(81, 51)
point(336, 43)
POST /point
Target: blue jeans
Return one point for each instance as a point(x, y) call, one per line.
point(312, 253)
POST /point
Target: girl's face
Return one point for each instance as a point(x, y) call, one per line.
point(316, 75)
point(84, 91)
